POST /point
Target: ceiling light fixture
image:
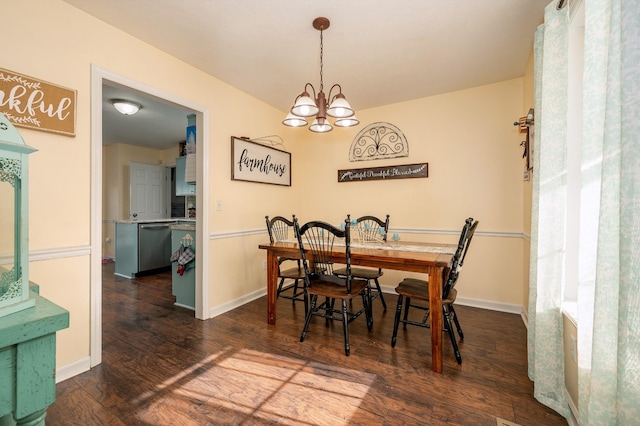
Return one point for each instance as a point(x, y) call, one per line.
point(126, 107)
point(305, 106)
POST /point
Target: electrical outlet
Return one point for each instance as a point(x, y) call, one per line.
point(264, 265)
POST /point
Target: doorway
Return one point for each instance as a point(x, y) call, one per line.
point(99, 77)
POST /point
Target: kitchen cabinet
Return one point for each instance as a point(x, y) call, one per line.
point(142, 247)
point(183, 286)
point(183, 187)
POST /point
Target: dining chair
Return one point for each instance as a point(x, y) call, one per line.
point(369, 228)
point(279, 229)
point(412, 289)
point(316, 241)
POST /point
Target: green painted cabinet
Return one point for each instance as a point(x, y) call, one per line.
point(126, 250)
point(183, 187)
point(183, 285)
point(28, 361)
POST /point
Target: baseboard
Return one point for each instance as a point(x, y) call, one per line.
point(525, 318)
point(476, 303)
point(488, 304)
point(77, 367)
point(236, 303)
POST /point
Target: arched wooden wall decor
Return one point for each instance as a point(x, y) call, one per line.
point(378, 141)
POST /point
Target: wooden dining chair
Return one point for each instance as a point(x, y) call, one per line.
point(412, 289)
point(291, 285)
point(319, 239)
point(369, 228)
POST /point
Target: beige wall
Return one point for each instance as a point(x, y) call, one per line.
point(467, 137)
point(60, 46)
point(475, 169)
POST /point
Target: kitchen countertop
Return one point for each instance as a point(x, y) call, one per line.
point(170, 220)
point(183, 227)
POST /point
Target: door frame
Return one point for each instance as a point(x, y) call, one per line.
point(98, 75)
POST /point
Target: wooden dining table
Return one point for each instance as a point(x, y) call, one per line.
point(432, 259)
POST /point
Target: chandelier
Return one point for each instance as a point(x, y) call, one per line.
point(305, 106)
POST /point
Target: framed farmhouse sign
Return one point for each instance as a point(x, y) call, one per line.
point(254, 162)
point(36, 104)
point(404, 171)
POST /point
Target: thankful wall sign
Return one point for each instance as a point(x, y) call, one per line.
point(405, 171)
point(36, 104)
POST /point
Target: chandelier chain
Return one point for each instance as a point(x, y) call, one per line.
point(321, 63)
point(304, 106)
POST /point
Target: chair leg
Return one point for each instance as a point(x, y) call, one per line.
point(455, 320)
point(295, 292)
point(329, 309)
point(306, 301)
point(384, 304)
point(407, 303)
point(452, 336)
point(345, 326)
point(314, 300)
point(280, 287)
point(396, 321)
point(368, 312)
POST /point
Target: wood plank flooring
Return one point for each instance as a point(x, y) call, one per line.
point(161, 366)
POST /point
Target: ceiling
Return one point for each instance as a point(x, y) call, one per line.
point(380, 51)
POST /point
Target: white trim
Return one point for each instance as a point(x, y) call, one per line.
point(58, 253)
point(574, 419)
point(570, 310)
point(475, 303)
point(510, 308)
point(498, 234)
point(95, 326)
point(98, 76)
point(236, 234)
point(77, 367)
point(95, 344)
point(236, 303)
point(525, 318)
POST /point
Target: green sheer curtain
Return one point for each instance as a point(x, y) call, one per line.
point(546, 287)
point(609, 280)
point(609, 239)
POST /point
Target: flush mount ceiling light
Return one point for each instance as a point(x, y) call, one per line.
point(305, 106)
point(126, 107)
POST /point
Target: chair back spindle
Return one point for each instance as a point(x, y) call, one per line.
point(319, 239)
point(371, 228)
point(458, 259)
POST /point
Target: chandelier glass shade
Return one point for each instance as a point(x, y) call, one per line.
point(306, 105)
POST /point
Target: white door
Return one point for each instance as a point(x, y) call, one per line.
point(147, 189)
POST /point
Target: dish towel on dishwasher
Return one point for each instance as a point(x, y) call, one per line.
point(184, 256)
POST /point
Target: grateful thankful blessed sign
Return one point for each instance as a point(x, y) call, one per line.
point(36, 104)
point(255, 162)
point(385, 173)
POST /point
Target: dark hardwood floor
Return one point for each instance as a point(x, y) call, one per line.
point(161, 366)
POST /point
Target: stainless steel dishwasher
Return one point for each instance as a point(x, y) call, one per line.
point(154, 246)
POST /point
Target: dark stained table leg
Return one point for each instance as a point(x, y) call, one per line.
point(435, 315)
